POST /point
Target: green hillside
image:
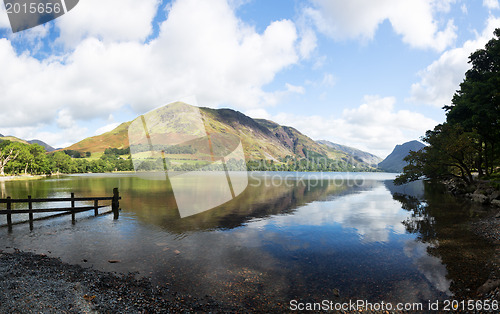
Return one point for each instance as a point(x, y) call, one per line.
point(117, 138)
point(261, 139)
point(13, 139)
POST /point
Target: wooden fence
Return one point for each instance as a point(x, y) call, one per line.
point(115, 207)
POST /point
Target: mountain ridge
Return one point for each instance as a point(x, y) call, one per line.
point(363, 156)
point(262, 139)
point(47, 147)
point(394, 161)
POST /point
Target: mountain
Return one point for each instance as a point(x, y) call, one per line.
point(261, 139)
point(13, 139)
point(116, 138)
point(394, 162)
point(359, 155)
point(47, 147)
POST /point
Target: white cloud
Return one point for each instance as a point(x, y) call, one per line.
point(375, 126)
point(61, 140)
point(414, 20)
point(328, 80)
point(218, 56)
point(464, 9)
point(258, 113)
point(491, 4)
point(203, 49)
point(308, 43)
point(106, 128)
point(65, 120)
point(442, 78)
point(56, 139)
point(110, 20)
point(295, 89)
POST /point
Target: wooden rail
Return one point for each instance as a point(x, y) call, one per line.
point(115, 206)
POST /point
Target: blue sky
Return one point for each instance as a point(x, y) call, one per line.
point(368, 74)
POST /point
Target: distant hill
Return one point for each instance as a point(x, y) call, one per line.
point(261, 139)
point(356, 153)
point(394, 162)
point(116, 138)
point(13, 139)
point(47, 147)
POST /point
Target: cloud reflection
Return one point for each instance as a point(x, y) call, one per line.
point(430, 266)
point(373, 214)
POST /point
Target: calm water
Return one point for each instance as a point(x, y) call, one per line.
point(288, 236)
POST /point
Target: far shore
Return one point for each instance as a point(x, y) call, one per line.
point(22, 177)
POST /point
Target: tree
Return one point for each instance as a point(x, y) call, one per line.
point(23, 160)
point(451, 153)
point(8, 153)
point(469, 140)
point(476, 106)
point(62, 163)
point(39, 162)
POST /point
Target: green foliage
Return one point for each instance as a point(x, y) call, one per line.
point(168, 149)
point(117, 151)
point(469, 140)
point(74, 153)
point(313, 162)
point(33, 159)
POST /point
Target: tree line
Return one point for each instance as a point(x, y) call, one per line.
point(468, 142)
point(19, 158)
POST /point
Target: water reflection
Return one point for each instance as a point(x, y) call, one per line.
point(372, 213)
point(301, 238)
point(451, 257)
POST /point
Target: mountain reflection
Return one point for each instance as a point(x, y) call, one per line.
point(363, 206)
point(262, 198)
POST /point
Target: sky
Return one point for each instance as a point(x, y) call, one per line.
point(363, 73)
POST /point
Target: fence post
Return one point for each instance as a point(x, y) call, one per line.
point(30, 207)
point(9, 217)
point(73, 208)
point(115, 203)
point(96, 207)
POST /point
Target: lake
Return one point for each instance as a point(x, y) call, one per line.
point(302, 236)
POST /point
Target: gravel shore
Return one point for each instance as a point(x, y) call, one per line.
point(31, 283)
point(488, 227)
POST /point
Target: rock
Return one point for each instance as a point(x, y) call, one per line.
point(497, 215)
point(488, 286)
point(495, 195)
point(495, 203)
point(480, 198)
point(89, 297)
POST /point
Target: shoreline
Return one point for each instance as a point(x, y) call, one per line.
point(32, 282)
point(37, 283)
point(22, 178)
point(486, 227)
